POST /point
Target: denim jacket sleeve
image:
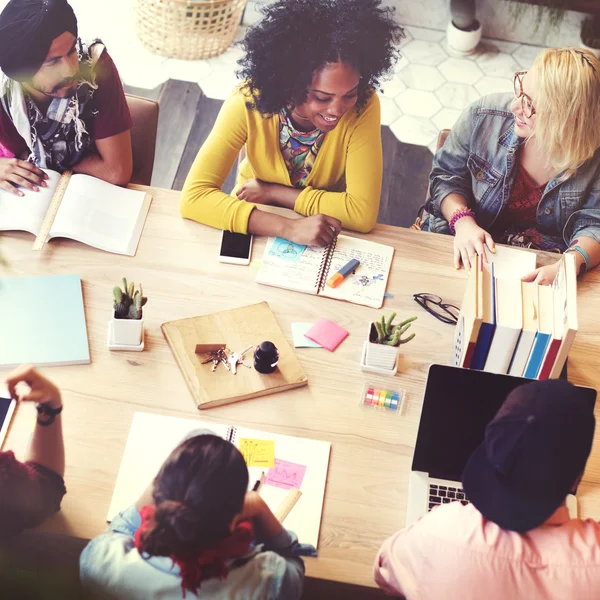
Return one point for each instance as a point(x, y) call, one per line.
point(585, 222)
point(291, 577)
point(450, 173)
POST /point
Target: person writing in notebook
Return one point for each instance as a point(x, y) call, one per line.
point(31, 491)
point(524, 169)
point(309, 119)
point(197, 530)
point(515, 539)
point(62, 105)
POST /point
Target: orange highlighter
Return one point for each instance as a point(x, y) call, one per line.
point(338, 277)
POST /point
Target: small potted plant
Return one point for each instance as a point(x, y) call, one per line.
point(384, 342)
point(128, 319)
point(590, 34)
point(464, 30)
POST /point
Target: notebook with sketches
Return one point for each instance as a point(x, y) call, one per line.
point(42, 321)
point(307, 268)
point(296, 463)
point(91, 211)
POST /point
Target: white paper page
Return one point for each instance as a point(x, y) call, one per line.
point(26, 213)
point(100, 214)
point(151, 439)
point(291, 266)
point(368, 283)
point(511, 263)
point(305, 518)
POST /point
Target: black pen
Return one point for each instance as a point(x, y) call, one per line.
point(258, 483)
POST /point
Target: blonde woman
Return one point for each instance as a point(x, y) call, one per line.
point(525, 169)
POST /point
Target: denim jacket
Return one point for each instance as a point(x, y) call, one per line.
point(478, 162)
point(111, 567)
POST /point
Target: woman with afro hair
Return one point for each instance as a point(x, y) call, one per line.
point(309, 119)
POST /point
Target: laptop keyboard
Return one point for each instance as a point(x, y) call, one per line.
point(444, 494)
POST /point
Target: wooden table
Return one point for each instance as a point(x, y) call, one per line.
point(365, 499)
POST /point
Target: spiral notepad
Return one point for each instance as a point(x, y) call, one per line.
point(307, 268)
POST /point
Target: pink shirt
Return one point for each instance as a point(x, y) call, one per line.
point(453, 552)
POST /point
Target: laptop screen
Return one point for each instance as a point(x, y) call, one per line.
point(457, 406)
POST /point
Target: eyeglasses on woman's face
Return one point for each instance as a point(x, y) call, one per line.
point(432, 303)
point(526, 101)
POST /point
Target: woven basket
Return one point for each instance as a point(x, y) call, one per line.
point(188, 29)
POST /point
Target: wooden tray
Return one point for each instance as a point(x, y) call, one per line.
point(238, 328)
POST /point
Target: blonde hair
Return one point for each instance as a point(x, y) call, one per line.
point(567, 105)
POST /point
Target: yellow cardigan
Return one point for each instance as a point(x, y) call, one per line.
point(345, 182)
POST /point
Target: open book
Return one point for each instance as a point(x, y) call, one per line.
point(91, 211)
point(297, 463)
point(306, 268)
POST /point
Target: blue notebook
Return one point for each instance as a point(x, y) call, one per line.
point(42, 321)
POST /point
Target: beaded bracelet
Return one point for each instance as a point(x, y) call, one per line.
point(583, 253)
point(459, 214)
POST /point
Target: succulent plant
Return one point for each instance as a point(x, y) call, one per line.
point(128, 302)
point(390, 334)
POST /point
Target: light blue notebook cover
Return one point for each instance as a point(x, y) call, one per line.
point(42, 321)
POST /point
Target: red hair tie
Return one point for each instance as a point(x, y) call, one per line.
point(208, 563)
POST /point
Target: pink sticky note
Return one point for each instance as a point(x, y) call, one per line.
point(285, 475)
point(327, 334)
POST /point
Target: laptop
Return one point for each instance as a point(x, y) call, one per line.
point(457, 405)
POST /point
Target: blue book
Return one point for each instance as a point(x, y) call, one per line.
point(545, 310)
point(538, 351)
point(488, 325)
point(42, 321)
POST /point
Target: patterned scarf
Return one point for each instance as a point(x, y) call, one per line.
point(209, 563)
point(59, 139)
point(298, 148)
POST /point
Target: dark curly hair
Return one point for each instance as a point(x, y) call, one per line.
point(297, 37)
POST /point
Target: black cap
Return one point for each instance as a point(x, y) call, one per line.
point(534, 450)
point(27, 30)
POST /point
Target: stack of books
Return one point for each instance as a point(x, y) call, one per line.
point(510, 326)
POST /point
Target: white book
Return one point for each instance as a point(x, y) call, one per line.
point(92, 211)
point(152, 437)
point(511, 263)
point(527, 337)
point(509, 322)
point(565, 307)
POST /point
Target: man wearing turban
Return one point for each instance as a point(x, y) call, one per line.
point(62, 105)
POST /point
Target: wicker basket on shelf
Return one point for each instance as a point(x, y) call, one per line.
point(188, 29)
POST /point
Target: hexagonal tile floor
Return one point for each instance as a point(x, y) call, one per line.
point(428, 90)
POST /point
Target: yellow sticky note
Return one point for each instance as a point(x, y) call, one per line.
point(258, 453)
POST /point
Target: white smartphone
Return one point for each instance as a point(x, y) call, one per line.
point(7, 408)
point(235, 248)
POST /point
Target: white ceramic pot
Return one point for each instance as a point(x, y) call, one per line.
point(595, 51)
point(380, 356)
point(461, 43)
point(127, 332)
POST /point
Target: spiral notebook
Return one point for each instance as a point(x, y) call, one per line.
point(306, 268)
point(287, 462)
